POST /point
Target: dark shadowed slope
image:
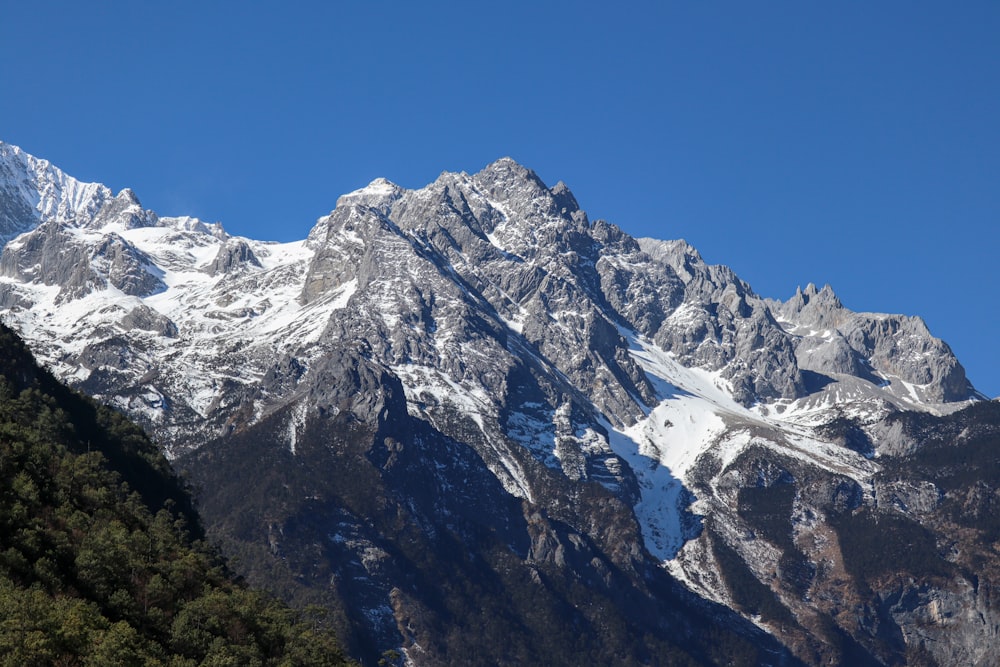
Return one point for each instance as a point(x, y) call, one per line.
point(99, 558)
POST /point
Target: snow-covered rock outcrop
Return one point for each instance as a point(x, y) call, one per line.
point(591, 374)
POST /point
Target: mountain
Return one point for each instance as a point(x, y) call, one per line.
point(99, 558)
point(480, 426)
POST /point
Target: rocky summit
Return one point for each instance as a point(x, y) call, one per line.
point(479, 426)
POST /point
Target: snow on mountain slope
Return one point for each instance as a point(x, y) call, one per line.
point(178, 322)
point(549, 344)
point(33, 191)
point(157, 352)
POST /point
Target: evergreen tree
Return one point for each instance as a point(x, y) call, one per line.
point(101, 556)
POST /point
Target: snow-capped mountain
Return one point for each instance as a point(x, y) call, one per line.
point(510, 378)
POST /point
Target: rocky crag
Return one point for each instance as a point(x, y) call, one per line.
point(480, 425)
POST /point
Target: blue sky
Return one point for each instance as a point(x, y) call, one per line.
point(850, 143)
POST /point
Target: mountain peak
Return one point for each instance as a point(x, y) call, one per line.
point(820, 298)
point(33, 191)
point(478, 360)
point(128, 195)
point(565, 200)
point(507, 172)
point(380, 192)
point(505, 163)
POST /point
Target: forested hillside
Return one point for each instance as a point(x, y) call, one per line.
point(101, 557)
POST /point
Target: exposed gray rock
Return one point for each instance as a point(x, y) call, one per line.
point(954, 625)
point(903, 347)
point(882, 349)
point(145, 318)
point(32, 191)
point(815, 309)
point(343, 246)
point(126, 267)
point(233, 255)
point(763, 364)
point(477, 369)
point(10, 299)
point(50, 255)
point(722, 325)
point(123, 210)
point(832, 354)
point(349, 384)
point(641, 297)
point(912, 498)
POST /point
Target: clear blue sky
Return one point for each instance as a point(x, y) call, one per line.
point(855, 143)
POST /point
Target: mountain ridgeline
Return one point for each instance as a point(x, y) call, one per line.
point(477, 426)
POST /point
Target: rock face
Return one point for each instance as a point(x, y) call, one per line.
point(480, 426)
point(896, 348)
point(33, 191)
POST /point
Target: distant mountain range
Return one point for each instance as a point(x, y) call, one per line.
point(481, 427)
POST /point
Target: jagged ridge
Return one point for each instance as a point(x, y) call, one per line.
point(490, 309)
